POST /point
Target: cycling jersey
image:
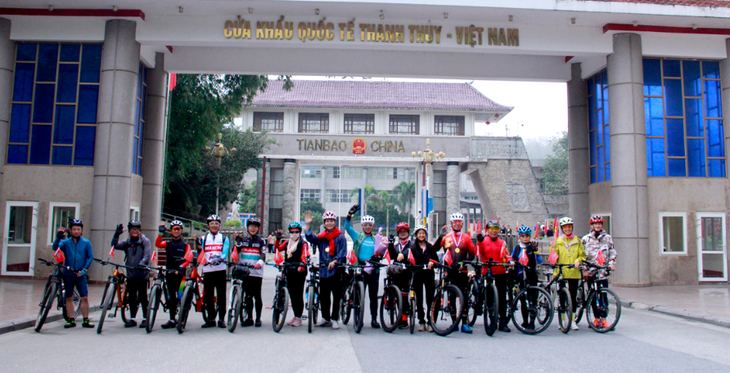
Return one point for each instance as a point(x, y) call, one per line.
point(364, 245)
point(533, 257)
point(215, 247)
point(295, 256)
point(495, 250)
point(570, 251)
point(250, 251)
point(175, 252)
point(602, 244)
point(459, 245)
point(79, 255)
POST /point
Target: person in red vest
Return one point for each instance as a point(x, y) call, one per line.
point(493, 248)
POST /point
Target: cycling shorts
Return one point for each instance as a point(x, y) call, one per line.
point(81, 284)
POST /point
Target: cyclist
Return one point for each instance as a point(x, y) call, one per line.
point(138, 250)
point(176, 250)
point(251, 250)
point(79, 257)
point(295, 250)
point(533, 259)
point(570, 250)
point(213, 255)
point(494, 248)
point(459, 247)
point(423, 254)
point(599, 251)
point(399, 250)
point(332, 247)
point(364, 248)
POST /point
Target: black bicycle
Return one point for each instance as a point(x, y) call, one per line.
point(391, 303)
point(565, 305)
point(448, 304)
point(55, 289)
point(312, 296)
point(412, 295)
point(159, 295)
point(532, 309)
point(280, 305)
point(192, 294)
point(116, 285)
point(602, 306)
point(353, 298)
point(239, 305)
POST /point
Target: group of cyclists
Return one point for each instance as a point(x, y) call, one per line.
point(369, 248)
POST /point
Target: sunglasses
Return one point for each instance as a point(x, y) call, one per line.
point(295, 232)
point(493, 229)
point(176, 229)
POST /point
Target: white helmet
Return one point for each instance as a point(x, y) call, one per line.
point(329, 215)
point(456, 216)
point(367, 219)
point(565, 221)
point(419, 228)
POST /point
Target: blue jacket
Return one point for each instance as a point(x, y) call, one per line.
point(79, 255)
point(324, 256)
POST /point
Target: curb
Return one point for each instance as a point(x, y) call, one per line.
point(29, 322)
point(707, 319)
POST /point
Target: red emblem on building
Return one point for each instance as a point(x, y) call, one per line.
point(358, 146)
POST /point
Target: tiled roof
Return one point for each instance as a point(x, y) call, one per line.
point(377, 95)
point(699, 3)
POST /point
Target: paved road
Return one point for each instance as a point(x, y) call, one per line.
point(643, 342)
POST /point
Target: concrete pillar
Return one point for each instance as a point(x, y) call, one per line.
point(288, 210)
point(452, 187)
point(266, 194)
point(364, 207)
point(7, 66)
point(629, 195)
point(578, 152)
point(114, 134)
point(153, 164)
point(323, 187)
point(725, 77)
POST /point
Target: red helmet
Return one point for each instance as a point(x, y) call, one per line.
point(403, 226)
point(596, 219)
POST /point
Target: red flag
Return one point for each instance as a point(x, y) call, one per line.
point(600, 259)
point(173, 81)
point(201, 258)
point(234, 254)
point(555, 227)
point(447, 258)
point(546, 227)
point(387, 256)
point(478, 253)
point(111, 252)
point(188, 256)
point(278, 258)
point(351, 257)
point(553, 257)
point(154, 256)
point(537, 231)
point(58, 255)
point(524, 260)
point(504, 254)
point(305, 253)
point(411, 258)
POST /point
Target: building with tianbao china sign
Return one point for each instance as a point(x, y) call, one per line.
point(84, 86)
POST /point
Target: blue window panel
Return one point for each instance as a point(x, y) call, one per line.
point(677, 168)
point(84, 148)
point(141, 139)
point(710, 70)
point(675, 137)
point(599, 118)
point(673, 97)
point(139, 166)
point(63, 129)
point(593, 175)
point(672, 68)
point(68, 76)
point(604, 76)
point(654, 116)
point(142, 103)
point(40, 144)
point(599, 95)
point(18, 154)
point(713, 99)
point(43, 104)
point(716, 145)
point(23, 84)
point(47, 61)
point(593, 148)
point(136, 118)
point(591, 113)
point(692, 78)
point(20, 123)
point(90, 63)
point(599, 133)
point(589, 84)
point(607, 143)
point(61, 155)
point(655, 157)
point(608, 171)
point(716, 167)
point(26, 52)
point(652, 77)
point(88, 104)
point(70, 52)
point(134, 157)
point(600, 165)
point(696, 157)
point(605, 107)
point(694, 118)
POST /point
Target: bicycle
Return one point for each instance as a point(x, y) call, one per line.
point(565, 305)
point(391, 303)
point(354, 298)
point(531, 304)
point(412, 295)
point(312, 296)
point(488, 296)
point(280, 305)
point(448, 304)
point(192, 294)
point(55, 288)
point(237, 306)
point(159, 294)
point(599, 303)
point(116, 285)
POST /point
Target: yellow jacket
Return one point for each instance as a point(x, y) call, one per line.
point(569, 252)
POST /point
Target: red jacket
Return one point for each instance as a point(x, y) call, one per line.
point(495, 250)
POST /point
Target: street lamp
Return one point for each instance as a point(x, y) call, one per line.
point(218, 151)
point(427, 156)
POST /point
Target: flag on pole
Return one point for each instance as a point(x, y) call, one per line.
point(553, 257)
point(58, 255)
point(537, 231)
point(555, 227)
point(111, 252)
point(387, 256)
point(278, 258)
point(154, 256)
point(524, 260)
point(351, 257)
point(447, 258)
point(305, 253)
point(411, 258)
point(600, 259)
point(546, 227)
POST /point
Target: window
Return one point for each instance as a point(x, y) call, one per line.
point(333, 172)
point(310, 195)
point(452, 125)
point(314, 123)
point(359, 123)
point(683, 117)
point(60, 215)
point(339, 195)
point(134, 213)
point(311, 172)
point(404, 124)
point(139, 117)
point(598, 128)
point(606, 222)
point(351, 172)
point(389, 173)
point(54, 104)
point(271, 122)
point(672, 233)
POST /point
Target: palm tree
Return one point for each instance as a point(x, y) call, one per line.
point(383, 200)
point(407, 192)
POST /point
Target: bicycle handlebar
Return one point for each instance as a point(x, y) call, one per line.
point(50, 263)
point(102, 262)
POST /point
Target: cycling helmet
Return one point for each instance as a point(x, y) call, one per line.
point(329, 215)
point(565, 221)
point(402, 226)
point(492, 223)
point(524, 230)
point(213, 217)
point(134, 224)
point(252, 221)
point(295, 226)
point(176, 223)
point(367, 219)
point(596, 219)
point(457, 216)
point(421, 227)
point(76, 222)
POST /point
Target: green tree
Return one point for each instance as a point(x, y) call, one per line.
point(247, 199)
point(406, 191)
point(555, 171)
point(316, 208)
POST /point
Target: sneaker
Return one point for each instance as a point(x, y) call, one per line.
point(130, 324)
point(87, 324)
point(70, 323)
point(605, 324)
point(597, 323)
point(531, 325)
point(429, 328)
point(325, 324)
point(422, 327)
point(221, 324)
point(504, 328)
point(258, 323)
point(143, 324)
point(525, 325)
point(296, 322)
point(335, 324)
point(375, 324)
point(403, 324)
point(169, 325)
point(208, 324)
point(248, 322)
point(465, 329)
point(574, 325)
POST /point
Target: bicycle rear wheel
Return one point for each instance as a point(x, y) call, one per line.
point(154, 304)
point(185, 303)
point(511, 293)
point(281, 306)
point(491, 309)
point(580, 299)
point(45, 305)
point(607, 310)
point(311, 310)
point(234, 309)
point(446, 311)
point(565, 310)
point(346, 304)
point(122, 302)
point(537, 313)
point(106, 305)
point(412, 313)
point(359, 304)
point(390, 308)
point(472, 302)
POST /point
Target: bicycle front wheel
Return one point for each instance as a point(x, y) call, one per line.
point(154, 304)
point(580, 299)
point(311, 310)
point(446, 311)
point(472, 302)
point(185, 304)
point(491, 309)
point(281, 306)
point(390, 308)
point(359, 304)
point(412, 313)
point(234, 309)
point(532, 310)
point(346, 304)
point(565, 310)
point(45, 305)
point(605, 307)
point(106, 304)
point(122, 302)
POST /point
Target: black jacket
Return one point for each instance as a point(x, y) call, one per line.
point(422, 256)
point(137, 252)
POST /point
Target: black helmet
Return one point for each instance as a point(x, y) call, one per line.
point(213, 217)
point(252, 221)
point(76, 222)
point(134, 224)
